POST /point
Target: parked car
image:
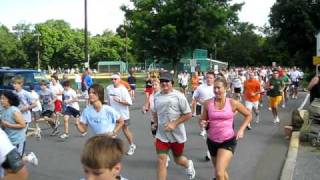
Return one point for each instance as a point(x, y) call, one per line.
point(31, 77)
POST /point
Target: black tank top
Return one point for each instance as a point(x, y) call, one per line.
point(315, 91)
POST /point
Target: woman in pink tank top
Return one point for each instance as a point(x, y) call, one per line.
point(218, 119)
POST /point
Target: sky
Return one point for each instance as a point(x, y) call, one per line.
point(102, 14)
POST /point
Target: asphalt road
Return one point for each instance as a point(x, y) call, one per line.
point(259, 156)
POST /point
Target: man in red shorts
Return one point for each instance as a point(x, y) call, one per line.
point(171, 110)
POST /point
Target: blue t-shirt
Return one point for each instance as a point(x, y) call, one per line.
point(100, 122)
point(88, 80)
point(16, 136)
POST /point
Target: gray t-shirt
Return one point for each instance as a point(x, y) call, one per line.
point(170, 107)
point(46, 98)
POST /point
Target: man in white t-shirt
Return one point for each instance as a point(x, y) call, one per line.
point(10, 160)
point(184, 82)
point(119, 98)
point(295, 77)
point(201, 94)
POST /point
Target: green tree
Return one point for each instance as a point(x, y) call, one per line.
point(295, 23)
point(11, 53)
point(167, 29)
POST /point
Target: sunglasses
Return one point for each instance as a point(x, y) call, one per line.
point(164, 81)
point(115, 79)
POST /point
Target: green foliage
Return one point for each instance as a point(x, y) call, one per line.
point(167, 29)
point(295, 23)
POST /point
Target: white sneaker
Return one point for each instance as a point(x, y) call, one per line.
point(168, 160)
point(283, 106)
point(208, 156)
point(249, 126)
point(131, 150)
point(257, 119)
point(64, 136)
point(191, 173)
point(269, 108)
point(32, 158)
point(38, 134)
point(203, 132)
point(84, 134)
point(276, 120)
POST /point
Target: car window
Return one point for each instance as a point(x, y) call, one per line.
point(7, 78)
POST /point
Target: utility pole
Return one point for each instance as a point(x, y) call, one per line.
point(86, 54)
point(38, 51)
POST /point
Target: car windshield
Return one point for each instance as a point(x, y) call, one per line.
point(32, 77)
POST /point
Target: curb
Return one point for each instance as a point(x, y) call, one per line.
point(287, 172)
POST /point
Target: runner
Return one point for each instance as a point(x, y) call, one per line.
point(35, 113)
point(218, 117)
point(132, 82)
point(71, 107)
point(295, 77)
point(119, 98)
point(47, 102)
point(10, 160)
point(171, 110)
point(102, 119)
point(57, 90)
point(252, 90)
point(14, 124)
point(275, 86)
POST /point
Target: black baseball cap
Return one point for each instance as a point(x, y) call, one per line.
point(166, 76)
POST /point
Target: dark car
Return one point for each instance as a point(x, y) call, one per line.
point(31, 77)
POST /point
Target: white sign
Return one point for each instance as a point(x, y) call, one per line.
point(318, 43)
point(86, 64)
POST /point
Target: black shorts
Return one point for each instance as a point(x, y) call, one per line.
point(237, 90)
point(46, 113)
point(133, 86)
point(228, 145)
point(295, 84)
point(70, 111)
point(198, 109)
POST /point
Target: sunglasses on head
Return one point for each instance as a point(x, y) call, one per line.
point(114, 78)
point(164, 81)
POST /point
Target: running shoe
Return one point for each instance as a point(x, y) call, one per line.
point(168, 160)
point(208, 156)
point(131, 150)
point(32, 158)
point(191, 173)
point(283, 106)
point(54, 132)
point(249, 126)
point(38, 134)
point(84, 134)
point(203, 132)
point(276, 120)
point(64, 136)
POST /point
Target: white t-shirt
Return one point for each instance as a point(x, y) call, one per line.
point(295, 75)
point(56, 89)
point(5, 148)
point(184, 80)
point(203, 92)
point(71, 94)
point(122, 94)
point(77, 78)
point(236, 83)
point(35, 97)
point(25, 100)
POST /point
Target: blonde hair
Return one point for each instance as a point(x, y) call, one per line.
point(18, 79)
point(101, 152)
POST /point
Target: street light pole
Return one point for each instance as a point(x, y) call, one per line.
point(86, 54)
point(38, 51)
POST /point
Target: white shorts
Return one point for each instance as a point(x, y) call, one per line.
point(251, 105)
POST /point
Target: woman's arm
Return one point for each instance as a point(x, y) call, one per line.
point(237, 106)
point(20, 123)
point(203, 120)
point(313, 82)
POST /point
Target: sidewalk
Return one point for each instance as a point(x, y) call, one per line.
point(308, 163)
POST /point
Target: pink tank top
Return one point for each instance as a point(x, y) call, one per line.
point(220, 122)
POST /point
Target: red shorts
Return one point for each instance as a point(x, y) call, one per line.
point(57, 106)
point(163, 148)
point(148, 90)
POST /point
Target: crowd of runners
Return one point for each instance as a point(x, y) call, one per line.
point(214, 98)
